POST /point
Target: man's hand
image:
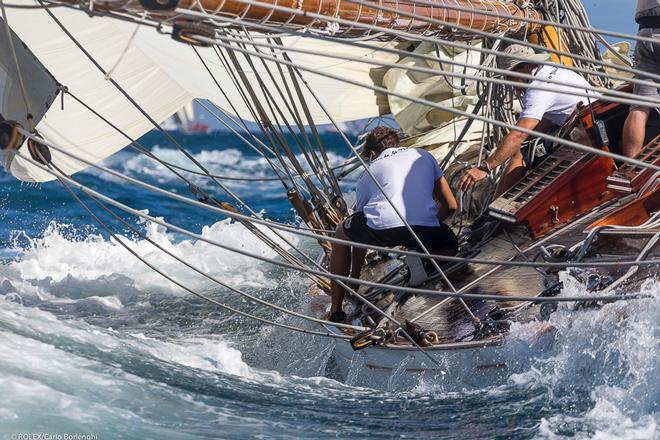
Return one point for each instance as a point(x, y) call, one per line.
point(472, 176)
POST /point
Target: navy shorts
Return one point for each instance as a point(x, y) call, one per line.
point(434, 238)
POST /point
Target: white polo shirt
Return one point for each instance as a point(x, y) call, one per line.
point(557, 107)
point(407, 176)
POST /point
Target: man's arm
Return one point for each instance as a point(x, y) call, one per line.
point(446, 201)
point(511, 143)
point(507, 148)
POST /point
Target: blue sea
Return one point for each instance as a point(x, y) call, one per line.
point(94, 343)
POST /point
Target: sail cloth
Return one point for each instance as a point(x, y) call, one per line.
point(162, 76)
point(39, 86)
point(450, 91)
point(434, 128)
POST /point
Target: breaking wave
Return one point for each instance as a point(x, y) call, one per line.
point(72, 309)
point(92, 341)
point(232, 162)
point(606, 372)
point(62, 254)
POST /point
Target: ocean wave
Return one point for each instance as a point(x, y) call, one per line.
point(67, 376)
point(62, 257)
point(172, 364)
point(605, 369)
point(231, 162)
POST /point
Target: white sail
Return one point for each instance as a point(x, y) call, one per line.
point(162, 76)
point(434, 128)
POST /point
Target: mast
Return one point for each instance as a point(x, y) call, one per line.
point(294, 14)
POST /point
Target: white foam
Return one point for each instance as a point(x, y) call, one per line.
point(57, 257)
point(229, 162)
point(203, 354)
point(613, 352)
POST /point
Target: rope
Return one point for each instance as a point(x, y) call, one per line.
point(404, 34)
point(434, 40)
point(508, 17)
point(344, 279)
point(276, 247)
point(125, 50)
point(509, 126)
point(187, 289)
point(242, 293)
point(154, 157)
point(273, 245)
point(608, 95)
point(61, 176)
point(287, 228)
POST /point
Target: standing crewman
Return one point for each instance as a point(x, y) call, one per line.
point(647, 59)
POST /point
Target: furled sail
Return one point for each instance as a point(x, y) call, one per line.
point(162, 75)
point(453, 92)
point(487, 15)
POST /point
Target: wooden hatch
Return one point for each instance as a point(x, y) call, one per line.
point(566, 184)
point(630, 178)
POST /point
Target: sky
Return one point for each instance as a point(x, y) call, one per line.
point(611, 15)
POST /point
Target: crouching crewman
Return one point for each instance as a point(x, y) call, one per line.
point(411, 181)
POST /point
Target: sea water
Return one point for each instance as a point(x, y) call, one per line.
point(93, 343)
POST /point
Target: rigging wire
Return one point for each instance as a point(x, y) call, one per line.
point(287, 228)
point(488, 51)
point(154, 157)
point(61, 176)
point(181, 12)
point(420, 38)
point(135, 145)
point(426, 292)
point(450, 43)
point(189, 290)
point(300, 268)
point(275, 246)
point(494, 105)
point(400, 328)
point(414, 99)
point(415, 37)
point(240, 292)
point(287, 256)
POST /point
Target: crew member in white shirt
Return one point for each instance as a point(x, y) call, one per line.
point(414, 183)
point(542, 110)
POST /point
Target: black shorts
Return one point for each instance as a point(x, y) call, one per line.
point(434, 238)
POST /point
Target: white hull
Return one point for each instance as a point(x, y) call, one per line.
point(462, 366)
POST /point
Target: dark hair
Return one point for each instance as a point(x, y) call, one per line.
point(523, 66)
point(379, 139)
